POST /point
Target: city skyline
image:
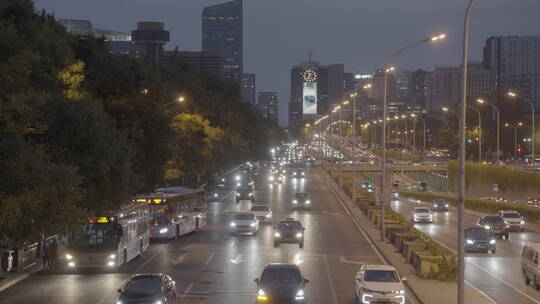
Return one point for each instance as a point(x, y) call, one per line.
point(339, 25)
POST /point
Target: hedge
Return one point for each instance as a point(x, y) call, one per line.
point(506, 178)
point(532, 214)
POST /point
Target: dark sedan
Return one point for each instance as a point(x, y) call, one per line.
point(148, 289)
point(440, 205)
point(478, 239)
point(495, 225)
point(281, 283)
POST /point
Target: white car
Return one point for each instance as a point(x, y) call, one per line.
point(379, 284)
point(244, 222)
point(262, 212)
point(421, 215)
point(513, 218)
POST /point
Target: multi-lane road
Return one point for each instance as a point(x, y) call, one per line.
point(214, 266)
point(497, 275)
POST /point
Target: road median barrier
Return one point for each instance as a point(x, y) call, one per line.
point(531, 214)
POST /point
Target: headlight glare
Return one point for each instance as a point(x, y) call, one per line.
point(277, 234)
point(492, 242)
point(233, 224)
point(163, 230)
point(69, 257)
point(298, 235)
point(112, 256)
point(487, 227)
point(470, 242)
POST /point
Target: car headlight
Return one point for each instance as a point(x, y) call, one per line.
point(435, 205)
point(252, 224)
point(237, 194)
point(268, 215)
point(112, 256)
point(294, 173)
point(233, 224)
point(110, 263)
point(298, 235)
point(487, 227)
point(163, 230)
point(401, 291)
point(119, 302)
point(492, 241)
point(261, 295)
point(446, 205)
point(215, 195)
point(303, 174)
point(277, 234)
point(237, 177)
point(69, 257)
point(158, 302)
point(366, 298)
point(271, 178)
point(308, 202)
point(238, 184)
point(522, 222)
point(470, 242)
point(299, 295)
point(295, 202)
point(250, 194)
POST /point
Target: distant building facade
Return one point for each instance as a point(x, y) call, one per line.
point(268, 105)
point(443, 85)
point(222, 30)
point(248, 88)
point(416, 92)
point(515, 62)
point(150, 37)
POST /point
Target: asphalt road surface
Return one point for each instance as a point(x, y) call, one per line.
point(496, 275)
point(214, 266)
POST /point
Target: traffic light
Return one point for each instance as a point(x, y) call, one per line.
point(469, 140)
point(477, 139)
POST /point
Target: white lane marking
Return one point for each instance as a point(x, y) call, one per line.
point(481, 292)
point(209, 258)
point(505, 282)
point(344, 260)
point(238, 259)
point(180, 259)
point(188, 289)
point(134, 272)
point(332, 287)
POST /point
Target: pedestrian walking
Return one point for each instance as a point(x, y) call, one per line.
point(46, 255)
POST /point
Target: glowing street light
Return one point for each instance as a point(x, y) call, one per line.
point(515, 95)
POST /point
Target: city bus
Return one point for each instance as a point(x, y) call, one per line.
point(175, 211)
point(111, 239)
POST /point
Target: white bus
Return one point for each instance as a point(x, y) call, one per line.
point(110, 239)
point(175, 211)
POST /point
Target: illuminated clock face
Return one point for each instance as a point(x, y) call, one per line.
point(310, 75)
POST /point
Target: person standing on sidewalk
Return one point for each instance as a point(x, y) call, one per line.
point(46, 254)
point(53, 253)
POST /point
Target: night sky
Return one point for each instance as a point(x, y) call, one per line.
point(358, 33)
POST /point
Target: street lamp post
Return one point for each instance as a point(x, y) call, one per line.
point(482, 101)
point(515, 137)
point(513, 94)
point(479, 133)
point(388, 69)
point(353, 96)
point(180, 99)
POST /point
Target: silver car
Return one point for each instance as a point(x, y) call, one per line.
point(244, 222)
point(530, 268)
point(379, 284)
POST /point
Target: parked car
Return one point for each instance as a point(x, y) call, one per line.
point(379, 284)
point(281, 283)
point(530, 268)
point(478, 239)
point(440, 205)
point(147, 288)
point(514, 219)
point(495, 225)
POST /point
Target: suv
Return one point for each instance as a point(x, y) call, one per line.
point(379, 284)
point(281, 283)
point(495, 225)
point(514, 219)
point(245, 192)
point(298, 173)
point(262, 212)
point(301, 200)
point(421, 214)
point(289, 231)
point(478, 239)
point(440, 205)
point(530, 268)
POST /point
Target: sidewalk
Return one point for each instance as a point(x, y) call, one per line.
point(426, 291)
point(8, 279)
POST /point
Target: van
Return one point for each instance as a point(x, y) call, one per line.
point(529, 264)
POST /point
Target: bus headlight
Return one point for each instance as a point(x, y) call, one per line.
point(470, 242)
point(295, 202)
point(233, 224)
point(112, 256)
point(69, 257)
point(298, 235)
point(487, 227)
point(252, 224)
point(492, 242)
point(308, 202)
point(277, 234)
point(299, 295)
point(110, 263)
point(163, 230)
point(261, 295)
point(71, 264)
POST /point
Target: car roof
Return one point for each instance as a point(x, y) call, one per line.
point(281, 266)
point(508, 211)
point(415, 208)
point(535, 246)
point(379, 267)
point(147, 275)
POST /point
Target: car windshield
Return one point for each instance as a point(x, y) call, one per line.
point(421, 210)
point(439, 201)
point(289, 226)
point(381, 276)
point(283, 275)
point(244, 216)
point(300, 195)
point(493, 219)
point(260, 208)
point(511, 215)
point(144, 285)
point(476, 233)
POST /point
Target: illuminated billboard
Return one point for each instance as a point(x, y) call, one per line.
point(309, 93)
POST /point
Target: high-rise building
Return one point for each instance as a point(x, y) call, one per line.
point(515, 61)
point(222, 31)
point(443, 85)
point(416, 93)
point(203, 61)
point(247, 89)
point(269, 105)
point(378, 86)
point(314, 88)
point(402, 84)
point(150, 37)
